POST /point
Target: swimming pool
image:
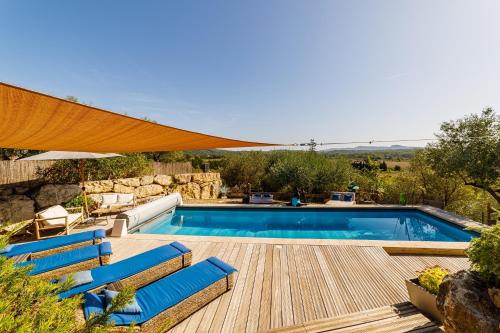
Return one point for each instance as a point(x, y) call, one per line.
point(366, 224)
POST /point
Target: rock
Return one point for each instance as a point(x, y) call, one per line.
point(50, 195)
point(215, 189)
point(17, 208)
point(146, 180)
point(189, 191)
point(163, 180)
point(206, 192)
point(183, 178)
point(101, 186)
point(119, 188)
point(148, 190)
point(131, 182)
point(202, 178)
point(466, 306)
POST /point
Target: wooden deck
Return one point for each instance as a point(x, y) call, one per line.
point(279, 285)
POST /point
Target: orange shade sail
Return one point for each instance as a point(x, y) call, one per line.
point(31, 120)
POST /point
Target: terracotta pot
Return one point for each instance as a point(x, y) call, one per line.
point(423, 300)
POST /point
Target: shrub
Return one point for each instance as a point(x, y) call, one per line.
point(484, 255)
point(79, 202)
point(68, 171)
point(430, 278)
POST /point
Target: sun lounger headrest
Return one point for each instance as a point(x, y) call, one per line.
point(100, 233)
point(105, 249)
point(180, 247)
point(222, 265)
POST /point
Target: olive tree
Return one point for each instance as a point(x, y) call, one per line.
point(469, 148)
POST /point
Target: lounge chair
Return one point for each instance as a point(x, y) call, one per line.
point(42, 248)
point(59, 264)
point(168, 301)
point(57, 217)
point(137, 271)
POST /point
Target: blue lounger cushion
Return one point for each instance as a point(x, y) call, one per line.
point(52, 243)
point(63, 259)
point(122, 269)
point(164, 293)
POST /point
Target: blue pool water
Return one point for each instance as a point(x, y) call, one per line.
point(379, 224)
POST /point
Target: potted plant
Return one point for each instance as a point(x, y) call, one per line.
point(423, 290)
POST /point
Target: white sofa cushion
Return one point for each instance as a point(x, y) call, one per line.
point(125, 198)
point(54, 211)
point(108, 199)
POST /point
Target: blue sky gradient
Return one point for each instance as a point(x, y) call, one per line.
point(273, 71)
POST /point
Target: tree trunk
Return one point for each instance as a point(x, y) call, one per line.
point(491, 191)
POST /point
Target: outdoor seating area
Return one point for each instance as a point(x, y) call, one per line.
point(57, 218)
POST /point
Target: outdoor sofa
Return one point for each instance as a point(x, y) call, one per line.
point(115, 203)
point(261, 198)
point(59, 264)
point(57, 217)
point(42, 248)
point(168, 301)
point(137, 271)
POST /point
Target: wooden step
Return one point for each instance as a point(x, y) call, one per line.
point(402, 317)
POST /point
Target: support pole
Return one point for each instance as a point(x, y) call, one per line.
point(82, 177)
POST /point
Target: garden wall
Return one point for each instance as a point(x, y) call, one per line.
point(19, 201)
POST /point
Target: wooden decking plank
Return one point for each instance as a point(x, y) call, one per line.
point(286, 294)
point(338, 275)
point(276, 308)
point(265, 300)
point(295, 293)
point(246, 298)
point(253, 313)
point(305, 285)
point(239, 286)
point(323, 286)
point(332, 285)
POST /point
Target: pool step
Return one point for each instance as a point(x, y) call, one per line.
point(402, 317)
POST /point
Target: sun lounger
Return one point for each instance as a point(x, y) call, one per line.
point(168, 301)
point(137, 271)
point(59, 264)
point(54, 245)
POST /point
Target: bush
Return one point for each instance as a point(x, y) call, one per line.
point(484, 255)
point(430, 278)
point(68, 171)
point(79, 202)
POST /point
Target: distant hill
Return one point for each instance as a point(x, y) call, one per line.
point(370, 148)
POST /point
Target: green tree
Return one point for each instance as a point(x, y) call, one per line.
point(243, 169)
point(469, 148)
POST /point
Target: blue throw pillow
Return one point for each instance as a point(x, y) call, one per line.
point(6, 249)
point(79, 278)
point(132, 307)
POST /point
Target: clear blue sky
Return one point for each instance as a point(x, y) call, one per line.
point(275, 71)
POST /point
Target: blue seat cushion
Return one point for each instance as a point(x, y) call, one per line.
point(122, 269)
point(131, 307)
point(63, 259)
point(78, 278)
point(52, 243)
point(347, 197)
point(166, 292)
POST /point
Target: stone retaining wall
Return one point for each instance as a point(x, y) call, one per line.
point(189, 185)
point(20, 201)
